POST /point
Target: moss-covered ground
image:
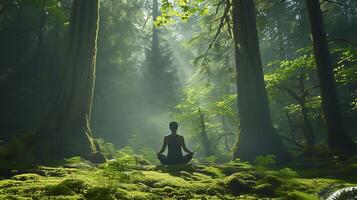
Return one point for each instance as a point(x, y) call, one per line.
point(125, 178)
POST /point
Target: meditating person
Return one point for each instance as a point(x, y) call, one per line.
point(174, 142)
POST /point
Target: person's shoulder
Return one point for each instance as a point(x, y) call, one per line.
point(180, 136)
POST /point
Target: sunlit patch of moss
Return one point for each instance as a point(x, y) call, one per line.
point(14, 197)
point(234, 167)
point(299, 195)
point(201, 177)
point(25, 177)
point(213, 171)
point(138, 195)
point(158, 179)
point(134, 187)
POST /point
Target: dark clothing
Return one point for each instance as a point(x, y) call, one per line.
point(165, 161)
point(174, 154)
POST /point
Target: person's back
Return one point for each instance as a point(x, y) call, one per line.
point(174, 152)
point(174, 143)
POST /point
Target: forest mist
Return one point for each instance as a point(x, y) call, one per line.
point(150, 73)
point(264, 94)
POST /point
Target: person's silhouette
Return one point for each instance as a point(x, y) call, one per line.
point(174, 142)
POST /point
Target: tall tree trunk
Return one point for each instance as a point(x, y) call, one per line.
point(338, 137)
point(66, 130)
point(307, 127)
point(257, 135)
point(204, 137)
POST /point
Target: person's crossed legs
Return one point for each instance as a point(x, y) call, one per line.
point(165, 161)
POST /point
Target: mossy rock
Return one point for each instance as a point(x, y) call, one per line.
point(160, 180)
point(97, 158)
point(168, 189)
point(75, 185)
point(67, 187)
point(299, 195)
point(273, 180)
point(14, 197)
point(231, 168)
point(59, 190)
point(213, 172)
point(264, 189)
point(25, 177)
point(241, 182)
point(175, 168)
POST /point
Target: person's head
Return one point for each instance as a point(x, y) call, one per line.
point(173, 126)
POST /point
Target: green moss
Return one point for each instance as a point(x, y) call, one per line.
point(273, 180)
point(240, 183)
point(75, 185)
point(25, 177)
point(158, 179)
point(104, 193)
point(137, 195)
point(264, 189)
point(298, 195)
point(57, 190)
point(213, 171)
point(14, 197)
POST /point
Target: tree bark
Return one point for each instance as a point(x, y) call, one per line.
point(204, 137)
point(257, 136)
point(307, 127)
point(66, 130)
point(337, 137)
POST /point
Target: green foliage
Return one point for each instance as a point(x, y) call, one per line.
point(182, 9)
point(265, 162)
point(106, 148)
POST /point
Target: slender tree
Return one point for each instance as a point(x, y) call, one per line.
point(257, 135)
point(204, 137)
point(161, 75)
point(66, 130)
point(338, 137)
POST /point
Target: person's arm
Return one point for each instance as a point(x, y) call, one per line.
point(164, 144)
point(184, 146)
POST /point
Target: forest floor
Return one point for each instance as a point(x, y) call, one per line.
point(131, 177)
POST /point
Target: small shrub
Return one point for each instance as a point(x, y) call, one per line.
point(265, 162)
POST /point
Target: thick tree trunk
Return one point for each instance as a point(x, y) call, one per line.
point(66, 130)
point(257, 135)
point(338, 137)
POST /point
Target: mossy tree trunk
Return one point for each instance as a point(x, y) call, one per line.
point(66, 130)
point(257, 135)
point(338, 137)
